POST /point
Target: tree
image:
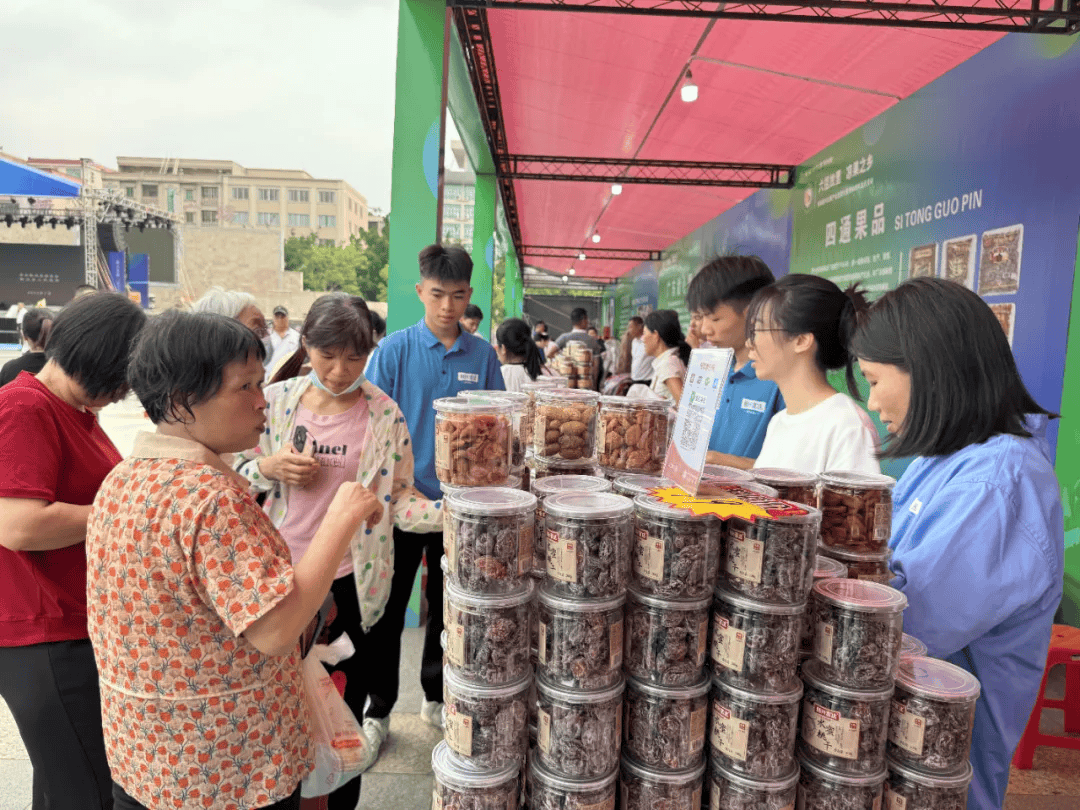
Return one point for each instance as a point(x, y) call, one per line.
point(358, 268)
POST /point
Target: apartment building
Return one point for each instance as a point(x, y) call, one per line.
point(459, 196)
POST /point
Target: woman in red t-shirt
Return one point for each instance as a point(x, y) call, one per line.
point(53, 457)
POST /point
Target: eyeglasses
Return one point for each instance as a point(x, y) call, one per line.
point(752, 332)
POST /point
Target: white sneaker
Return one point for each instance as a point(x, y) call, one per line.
point(431, 712)
point(377, 730)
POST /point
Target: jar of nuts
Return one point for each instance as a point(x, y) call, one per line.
point(530, 389)
point(473, 442)
point(631, 435)
point(856, 511)
point(565, 424)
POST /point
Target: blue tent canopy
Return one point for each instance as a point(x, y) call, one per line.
point(19, 180)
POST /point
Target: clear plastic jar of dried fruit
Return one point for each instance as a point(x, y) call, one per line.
point(857, 631)
point(909, 646)
point(856, 510)
point(549, 791)
point(473, 442)
point(822, 789)
point(540, 468)
point(722, 474)
point(824, 568)
point(580, 641)
point(519, 404)
point(843, 729)
point(772, 559)
point(530, 389)
point(633, 485)
point(912, 789)
point(579, 732)
point(488, 635)
point(588, 543)
point(666, 639)
point(870, 566)
point(790, 485)
point(460, 785)
point(565, 424)
point(486, 725)
point(488, 538)
point(932, 715)
point(676, 553)
point(645, 788)
point(664, 726)
point(631, 435)
point(755, 645)
point(556, 485)
point(729, 790)
point(753, 733)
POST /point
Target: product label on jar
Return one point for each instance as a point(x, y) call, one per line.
point(442, 450)
point(539, 429)
point(543, 730)
point(615, 645)
point(877, 803)
point(831, 733)
point(729, 645)
point(541, 642)
point(823, 641)
point(744, 557)
point(697, 729)
point(695, 802)
point(561, 557)
point(649, 556)
point(601, 435)
point(883, 522)
point(894, 801)
point(606, 804)
point(455, 643)
point(909, 732)
point(618, 725)
point(525, 549)
point(730, 734)
point(450, 540)
point(702, 641)
point(541, 516)
point(459, 730)
point(513, 801)
point(436, 799)
point(714, 798)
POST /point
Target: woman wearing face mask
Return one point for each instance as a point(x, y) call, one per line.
point(797, 330)
point(348, 430)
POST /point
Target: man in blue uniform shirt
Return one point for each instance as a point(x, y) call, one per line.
point(432, 359)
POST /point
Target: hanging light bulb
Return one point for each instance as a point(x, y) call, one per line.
point(571, 271)
point(565, 279)
point(616, 189)
point(688, 92)
point(581, 256)
point(595, 238)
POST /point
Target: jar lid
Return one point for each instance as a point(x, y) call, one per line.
point(633, 485)
point(828, 568)
point(487, 501)
point(578, 696)
point(740, 601)
point(849, 779)
point(847, 555)
point(812, 516)
point(543, 382)
point(465, 405)
point(554, 484)
point(535, 462)
point(860, 595)
point(577, 396)
point(477, 692)
point(460, 773)
point(812, 674)
point(780, 783)
point(514, 397)
point(489, 601)
point(551, 779)
point(909, 645)
point(683, 777)
point(669, 692)
point(622, 403)
point(715, 487)
point(780, 477)
point(559, 602)
point(751, 696)
point(856, 480)
point(667, 604)
point(931, 780)
point(937, 679)
point(651, 505)
point(718, 472)
point(588, 505)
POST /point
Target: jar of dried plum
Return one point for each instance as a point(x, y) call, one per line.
point(755, 645)
point(729, 790)
point(580, 641)
point(486, 725)
point(519, 404)
point(460, 785)
point(666, 639)
point(645, 788)
point(824, 568)
point(909, 645)
point(912, 789)
point(843, 729)
point(540, 468)
point(824, 789)
point(549, 791)
point(856, 510)
point(772, 559)
point(565, 424)
point(857, 631)
point(579, 731)
point(488, 635)
point(529, 389)
point(664, 726)
point(473, 442)
point(633, 485)
point(556, 485)
point(588, 543)
point(676, 553)
point(933, 715)
point(631, 435)
point(870, 566)
point(790, 485)
point(488, 538)
point(753, 733)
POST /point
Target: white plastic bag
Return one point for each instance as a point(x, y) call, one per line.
point(339, 742)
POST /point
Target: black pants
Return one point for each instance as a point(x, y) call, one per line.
point(52, 692)
point(357, 670)
point(385, 636)
point(125, 802)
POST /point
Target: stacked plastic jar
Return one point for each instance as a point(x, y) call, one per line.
point(631, 435)
point(518, 406)
point(633, 485)
point(580, 640)
point(528, 418)
point(473, 442)
point(856, 512)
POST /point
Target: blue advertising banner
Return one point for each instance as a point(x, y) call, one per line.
point(139, 277)
point(117, 269)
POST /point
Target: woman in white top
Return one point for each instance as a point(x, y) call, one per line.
point(665, 343)
point(521, 359)
point(797, 330)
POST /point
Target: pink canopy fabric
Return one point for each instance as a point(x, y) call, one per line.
point(599, 85)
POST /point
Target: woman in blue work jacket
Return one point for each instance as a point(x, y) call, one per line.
point(977, 538)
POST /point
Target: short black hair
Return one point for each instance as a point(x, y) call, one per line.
point(965, 387)
point(180, 358)
point(335, 321)
point(445, 263)
point(378, 323)
point(579, 315)
point(730, 280)
point(36, 325)
point(538, 324)
point(91, 341)
point(637, 319)
point(473, 311)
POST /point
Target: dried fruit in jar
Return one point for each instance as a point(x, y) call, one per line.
point(648, 789)
point(472, 449)
point(578, 648)
point(489, 553)
point(754, 733)
point(755, 645)
point(486, 726)
point(631, 438)
point(858, 627)
point(676, 554)
point(565, 430)
point(820, 791)
point(843, 729)
point(588, 542)
point(772, 560)
point(933, 715)
point(578, 733)
point(856, 511)
point(487, 643)
point(665, 727)
point(666, 641)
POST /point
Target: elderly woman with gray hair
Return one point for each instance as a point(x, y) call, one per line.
point(239, 306)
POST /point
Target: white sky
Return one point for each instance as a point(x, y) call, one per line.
point(292, 84)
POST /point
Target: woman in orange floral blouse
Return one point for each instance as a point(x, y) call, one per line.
point(195, 610)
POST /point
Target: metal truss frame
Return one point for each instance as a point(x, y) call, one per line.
point(637, 170)
point(608, 254)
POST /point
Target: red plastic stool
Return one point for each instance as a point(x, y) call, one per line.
point(1064, 649)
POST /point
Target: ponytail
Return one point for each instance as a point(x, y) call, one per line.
point(852, 312)
point(516, 338)
point(665, 322)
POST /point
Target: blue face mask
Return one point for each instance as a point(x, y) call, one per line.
point(319, 384)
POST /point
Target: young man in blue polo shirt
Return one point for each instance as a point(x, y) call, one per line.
point(718, 295)
point(430, 359)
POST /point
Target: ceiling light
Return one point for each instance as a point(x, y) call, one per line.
point(689, 88)
point(581, 256)
point(596, 237)
point(616, 189)
point(565, 279)
point(571, 271)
